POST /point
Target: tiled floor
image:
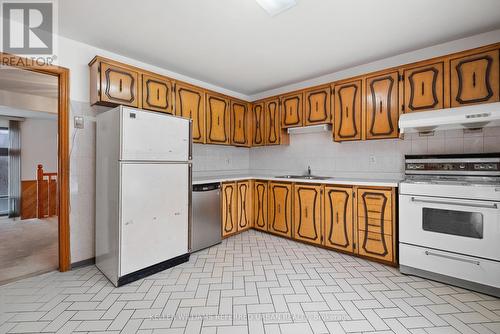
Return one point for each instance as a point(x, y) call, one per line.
point(251, 283)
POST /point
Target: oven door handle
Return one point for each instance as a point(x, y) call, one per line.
point(488, 206)
point(477, 263)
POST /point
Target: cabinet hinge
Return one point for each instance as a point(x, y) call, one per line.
point(401, 77)
point(333, 91)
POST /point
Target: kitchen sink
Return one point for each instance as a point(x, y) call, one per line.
point(304, 177)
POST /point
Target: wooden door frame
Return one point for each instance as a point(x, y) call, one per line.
point(62, 75)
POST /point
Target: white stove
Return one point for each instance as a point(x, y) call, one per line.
point(449, 220)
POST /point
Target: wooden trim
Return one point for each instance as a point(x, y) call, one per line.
point(63, 146)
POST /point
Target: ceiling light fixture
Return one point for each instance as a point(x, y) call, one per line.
point(275, 7)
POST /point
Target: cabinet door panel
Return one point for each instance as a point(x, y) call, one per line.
point(292, 110)
point(348, 111)
point(229, 209)
point(317, 106)
point(307, 213)
point(339, 224)
point(260, 205)
point(382, 108)
point(217, 119)
point(280, 208)
point(119, 85)
point(258, 125)
point(156, 94)
point(424, 88)
point(475, 79)
point(239, 124)
point(190, 103)
point(375, 245)
point(273, 129)
point(245, 210)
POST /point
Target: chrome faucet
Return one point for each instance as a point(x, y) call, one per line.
point(308, 170)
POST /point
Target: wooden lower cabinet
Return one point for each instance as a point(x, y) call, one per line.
point(280, 208)
point(229, 209)
point(244, 205)
point(307, 218)
point(260, 205)
point(338, 219)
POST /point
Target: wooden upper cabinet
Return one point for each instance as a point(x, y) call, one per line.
point(258, 124)
point(292, 110)
point(475, 79)
point(217, 110)
point(317, 106)
point(424, 87)
point(119, 85)
point(244, 205)
point(339, 223)
point(240, 117)
point(347, 125)
point(382, 107)
point(280, 208)
point(229, 209)
point(190, 103)
point(307, 218)
point(273, 128)
point(157, 93)
point(260, 205)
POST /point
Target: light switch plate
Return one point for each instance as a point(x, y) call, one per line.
point(79, 122)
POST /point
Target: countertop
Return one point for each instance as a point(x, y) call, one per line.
point(334, 180)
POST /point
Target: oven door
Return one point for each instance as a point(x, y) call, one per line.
point(462, 226)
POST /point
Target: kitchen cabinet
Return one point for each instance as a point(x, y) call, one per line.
point(258, 124)
point(317, 106)
point(273, 128)
point(229, 209)
point(280, 208)
point(307, 218)
point(382, 107)
point(347, 125)
point(240, 129)
point(376, 229)
point(190, 103)
point(424, 87)
point(244, 207)
point(260, 205)
point(292, 110)
point(157, 93)
point(475, 78)
point(339, 223)
point(217, 119)
point(113, 84)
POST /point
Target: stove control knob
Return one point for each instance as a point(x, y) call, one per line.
point(462, 166)
point(492, 166)
point(419, 166)
point(479, 166)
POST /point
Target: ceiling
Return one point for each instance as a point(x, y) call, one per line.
point(236, 45)
point(28, 82)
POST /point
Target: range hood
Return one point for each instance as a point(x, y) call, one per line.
point(468, 117)
point(310, 129)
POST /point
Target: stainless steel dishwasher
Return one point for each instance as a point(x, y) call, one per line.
point(206, 224)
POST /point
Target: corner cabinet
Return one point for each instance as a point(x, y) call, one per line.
point(376, 223)
point(292, 110)
point(240, 127)
point(190, 103)
point(258, 124)
point(244, 207)
point(260, 205)
point(347, 125)
point(382, 107)
point(317, 106)
point(338, 221)
point(157, 94)
point(424, 87)
point(229, 209)
point(307, 218)
point(280, 208)
point(475, 78)
point(273, 128)
point(217, 119)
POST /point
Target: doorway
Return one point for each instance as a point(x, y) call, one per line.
point(34, 169)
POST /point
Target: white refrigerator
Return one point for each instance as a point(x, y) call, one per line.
point(143, 193)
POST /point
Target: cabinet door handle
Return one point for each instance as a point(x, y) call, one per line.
point(474, 79)
point(257, 124)
point(347, 112)
point(337, 217)
point(317, 107)
point(218, 120)
point(423, 88)
point(279, 208)
point(291, 112)
point(380, 106)
point(158, 93)
point(121, 85)
point(305, 211)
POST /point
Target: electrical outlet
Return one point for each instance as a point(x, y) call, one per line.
point(79, 122)
point(372, 160)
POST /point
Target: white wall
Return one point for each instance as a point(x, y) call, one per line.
point(38, 146)
point(209, 160)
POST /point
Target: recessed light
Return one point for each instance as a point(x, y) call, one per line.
point(275, 7)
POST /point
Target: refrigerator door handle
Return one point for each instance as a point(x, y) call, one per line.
point(190, 153)
point(190, 205)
